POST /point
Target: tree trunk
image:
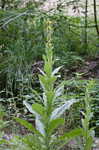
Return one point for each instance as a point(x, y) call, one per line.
point(95, 17)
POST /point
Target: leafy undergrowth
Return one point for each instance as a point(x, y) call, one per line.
point(75, 88)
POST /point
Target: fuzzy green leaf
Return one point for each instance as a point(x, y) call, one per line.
point(60, 110)
point(39, 125)
point(39, 109)
point(55, 124)
point(72, 134)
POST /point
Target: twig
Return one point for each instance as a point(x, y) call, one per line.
point(73, 25)
point(14, 18)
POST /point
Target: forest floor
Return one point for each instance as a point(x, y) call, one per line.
point(88, 70)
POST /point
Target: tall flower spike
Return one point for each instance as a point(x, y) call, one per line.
point(48, 58)
point(49, 32)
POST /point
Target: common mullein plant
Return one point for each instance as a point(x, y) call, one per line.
point(48, 115)
point(88, 133)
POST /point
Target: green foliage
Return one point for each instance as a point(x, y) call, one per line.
point(23, 37)
point(3, 124)
point(47, 115)
point(66, 37)
point(76, 88)
point(19, 46)
point(88, 132)
point(22, 42)
point(68, 59)
point(2, 115)
point(96, 107)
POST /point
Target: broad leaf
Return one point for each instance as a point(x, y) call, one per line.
point(38, 109)
point(55, 124)
point(3, 141)
point(60, 110)
point(43, 82)
point(72, 134)
point(67, 137)
point(39, 126)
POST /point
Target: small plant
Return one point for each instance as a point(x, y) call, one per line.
point(2, 115)
point(3, 123)
point(88, 133)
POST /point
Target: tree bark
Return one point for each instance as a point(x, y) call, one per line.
point(95, 17)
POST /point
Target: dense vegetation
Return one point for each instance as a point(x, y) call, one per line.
point(55, 106)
